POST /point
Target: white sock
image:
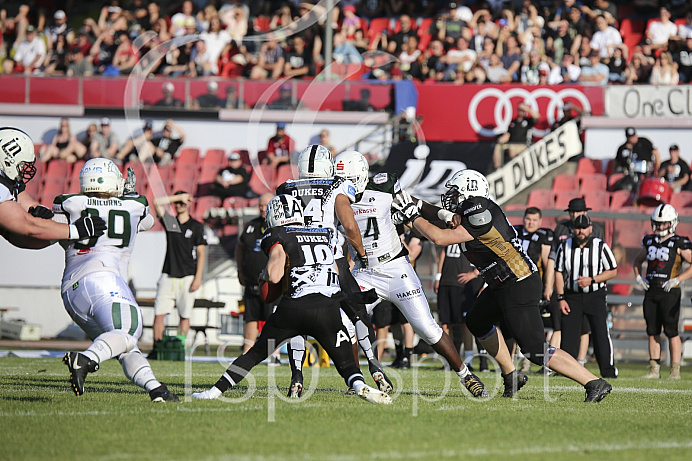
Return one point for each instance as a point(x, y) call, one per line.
point(464, 372)
point(109, 345)
point(364, 340)
point(358, 385)
point(138, 370)
point(298, 350)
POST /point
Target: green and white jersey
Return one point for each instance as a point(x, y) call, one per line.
point(109, 252)
point(373, 213)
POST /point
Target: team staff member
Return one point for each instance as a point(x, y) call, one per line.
point(582, 266)
point(664, 252)
point(251, 260)
point(182, 267)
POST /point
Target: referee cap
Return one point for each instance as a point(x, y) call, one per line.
point(582, 222)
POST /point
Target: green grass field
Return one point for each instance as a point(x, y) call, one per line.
point(40, 418)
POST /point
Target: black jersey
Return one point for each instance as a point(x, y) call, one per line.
point(181, 245)
point(495, 250)
point(533, 242)
point(663, 260)
point(456, 263)
point(310, 274)
point(254, 259)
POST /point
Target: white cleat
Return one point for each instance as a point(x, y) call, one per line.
point(372, 395)
point(209, 394)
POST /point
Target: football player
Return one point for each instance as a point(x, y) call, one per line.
point(388, 269)
point(664, 251)
point(94, 283)
point(514, 288)
point(302, 259)
point(23, 222)
point(326, 203)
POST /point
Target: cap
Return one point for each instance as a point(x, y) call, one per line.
point(105, 121)
point(212, 86)
point(234, 156)
point(190, 22)
point(83, 31)
point(168, 86)
point(581, 222)
point(350, 8)
point(281, 126)
point(593, 53)
point(577, 204)
point(630, 131)
point(148, 125)
point(285, 87)
point(30, 29)
point(114, 9)
point(674, 147)
point(452, 6)
point(60, 14)
point(230, 89)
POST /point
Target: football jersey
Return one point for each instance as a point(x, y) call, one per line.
point(254, 259)
point(456, 263)
point(495, 250)
point(318, 197)
point(109, 252)
point(311, 273)
point(373, 213)
point(663, 260)
point(9, 190)
point(533, 242)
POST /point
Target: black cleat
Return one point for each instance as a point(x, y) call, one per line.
point(405, 363)
point(162, 394)
point(79, 365)
point(296, 390)
point(597, 390)
point(513, 382)
point(475, 386)
point(382, 381)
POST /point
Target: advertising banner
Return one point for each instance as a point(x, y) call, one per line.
point(531, 165)
point(649, 101)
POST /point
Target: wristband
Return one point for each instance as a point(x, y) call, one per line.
point(593, 281)
point(445, 215)
point(74, 233)
point(560, 297)
point(438, 276)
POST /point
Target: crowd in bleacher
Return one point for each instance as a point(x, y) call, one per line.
point(593, 42)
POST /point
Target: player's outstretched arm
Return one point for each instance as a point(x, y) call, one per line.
point(276, 264)
point(345, 214)
point(442, 237)
point(26, 231)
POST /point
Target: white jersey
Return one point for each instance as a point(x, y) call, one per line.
point(373, 213)
point(109, 252)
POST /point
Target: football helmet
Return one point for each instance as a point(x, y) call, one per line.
point(352, 165)
point(315, 161)
point(283, 210)
point(101, 175)
point(464, 184)
point(17, 155)
point(664, 220)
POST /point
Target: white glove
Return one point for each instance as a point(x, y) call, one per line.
point(670, 284)
point(406, 206)
point(397, 217)
point(643, 284)
point(445, 215)
point(129, 187)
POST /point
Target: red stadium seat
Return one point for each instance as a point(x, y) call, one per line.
point(202, 204)
point(185, 172)
point(214, 156)
point(565, 181)
point(562, 198)
point(619, 199)
point(588, 166)
point(57, 169)
point(52, 187)
point(541, 198)
point(261, 186)
point(629, 233)
point(682, 199)
point(610, 167)
point(597, 200)
point(188, 155)
point(209, 172)
point(284, 173)
point(594, 181)
point(613, 179)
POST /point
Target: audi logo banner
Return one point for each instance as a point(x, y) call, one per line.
point(473, 113)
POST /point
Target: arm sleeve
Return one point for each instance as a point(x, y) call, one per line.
point(146, 223)
point(560, 258)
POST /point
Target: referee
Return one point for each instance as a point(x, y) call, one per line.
point(583, 264)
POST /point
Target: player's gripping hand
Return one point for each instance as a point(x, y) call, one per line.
point(40, 211)
point(361, 262)
point(129, 187)
point(643, 284)
point(406, 206)
point(670, 284)
point(87, 227)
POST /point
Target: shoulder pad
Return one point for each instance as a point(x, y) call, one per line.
point(474, 205)
point(380, 178)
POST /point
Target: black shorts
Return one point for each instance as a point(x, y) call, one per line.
point(385, 314)
point(255, 308)
point(662, 311)
point(453, 302)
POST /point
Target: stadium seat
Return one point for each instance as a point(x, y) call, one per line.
point(57, 169)
point(588, 166)
point(541, 198)
point(189, 186)
point(377, 25)
point(597, 200)
point(185, 172)
point(562, 198)
point(515, 220)
point(549, 222)
point(565, 181)
point(235, 202)
point(214, 157)
point(610, 167)
point(261, 186)
point(33, 186)
point(684, 228)
point(613, 179)
point(74, 186)
point(682, 199)
point(52, 187)
point(202, 204)
point(629, 233)
point(209, 172)
point(619, 199)
point(284, 173)
point(593, 181)
point(188, 155)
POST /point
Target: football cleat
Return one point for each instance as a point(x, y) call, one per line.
point(162, 394)
point(475, 386)
point(79, 365)
point(209, 394)
point(296, 390)
point(372, 395)
point(513, 382)
point(383, 382)
point(597, 390)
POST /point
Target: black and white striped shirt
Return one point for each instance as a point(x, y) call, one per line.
point(574, 262)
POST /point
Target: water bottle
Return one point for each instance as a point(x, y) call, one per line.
point(609, 320)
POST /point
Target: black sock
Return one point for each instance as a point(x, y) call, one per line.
point(407, 352)
point(658, 361)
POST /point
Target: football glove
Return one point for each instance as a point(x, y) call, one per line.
point(40, 211)
point(643, 284)
point(129, 187)
point(87, 227)
point(670, 284)
point(361, 262)
point(407, 207)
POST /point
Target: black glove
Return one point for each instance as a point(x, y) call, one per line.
point(89, 226)
point(40, 211)
point(362, 262)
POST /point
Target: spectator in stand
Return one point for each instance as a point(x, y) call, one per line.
point(282, 17)
point(216, 38)
point(106, 141)
point(79, 66)
point(351, 22)
point(59, 27)
point(279, 147)
point(596, 73)
point(410, 58)
point(661, 31)
point(210, 99)
point(579, 25)
point(459, 60)
point(683, 58)
point(345, 51)
point(126, 55)
point(675, 170)
point(64, 145)
point(168, 100)
point(685, 29)
point(298, 62)
point(639, 70)
point(29, 55)
point(510, 53)
point(530, 67)
point(398, 39)
point(233, 61)
point(606, 38)
point(566, 72)
point(102, 53)
point(180, 20)
point(232, 101)
point(434, 66)
point(285, 99)
point(89, 138)
point(270, 63)
point(112, 17)
point(362, 104)
point(236, 20)
point(561, 42)
point(617, 64)
point(82, 42)
point(167, 143)
point(635, 149)
point(233, 180)
point(665, 71)
point(448, 27)
point(604, 8)
point(56, 60)
point(518, 136)
point(203, 63)
point(495, 72)
point(179, 60)
point(139, 146)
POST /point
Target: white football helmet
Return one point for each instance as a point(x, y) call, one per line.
point(101, 175)
point(352, 165)
point(17, 155)
point(283, 210)
point(464, 184)
point(315, 161)
point(664, 220)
